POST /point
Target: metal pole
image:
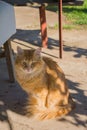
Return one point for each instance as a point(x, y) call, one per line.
point(60, 29)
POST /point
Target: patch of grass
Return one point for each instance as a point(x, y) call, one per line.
point(65, 26)
point(56, 26)
point(77, 15)
point(68, 27)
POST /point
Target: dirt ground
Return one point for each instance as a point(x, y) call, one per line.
point(73, 63)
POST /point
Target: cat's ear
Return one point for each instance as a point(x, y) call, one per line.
point(20, 51)
point(37, 52)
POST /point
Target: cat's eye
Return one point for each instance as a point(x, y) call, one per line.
point(24, 64)
point(33, 64)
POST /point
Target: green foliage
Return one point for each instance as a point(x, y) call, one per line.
point(77, 15)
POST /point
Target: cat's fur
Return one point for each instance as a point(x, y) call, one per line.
point(45, 83)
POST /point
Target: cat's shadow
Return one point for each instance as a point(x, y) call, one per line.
point(12, 98)
point(80, 105)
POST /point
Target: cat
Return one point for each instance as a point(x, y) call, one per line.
point(45, 83)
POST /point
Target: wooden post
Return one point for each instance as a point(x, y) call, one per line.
point(9, 60)
point(43, 26)
point(60, 29)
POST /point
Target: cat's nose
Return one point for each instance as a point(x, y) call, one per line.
point(28, 69)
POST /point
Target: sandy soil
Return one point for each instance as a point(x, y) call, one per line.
point(74, 64)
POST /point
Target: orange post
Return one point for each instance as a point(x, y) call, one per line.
point(43, 26)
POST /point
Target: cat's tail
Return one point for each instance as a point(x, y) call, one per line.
point(57, 113)
point(52, 114)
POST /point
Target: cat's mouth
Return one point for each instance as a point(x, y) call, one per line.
point(28, 71)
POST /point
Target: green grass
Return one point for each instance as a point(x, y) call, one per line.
point(68, 27)
point(76, 15)
point(65, 26)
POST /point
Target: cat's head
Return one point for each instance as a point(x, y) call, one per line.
point(29, 61)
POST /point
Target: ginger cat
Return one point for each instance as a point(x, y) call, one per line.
point(45, 83)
